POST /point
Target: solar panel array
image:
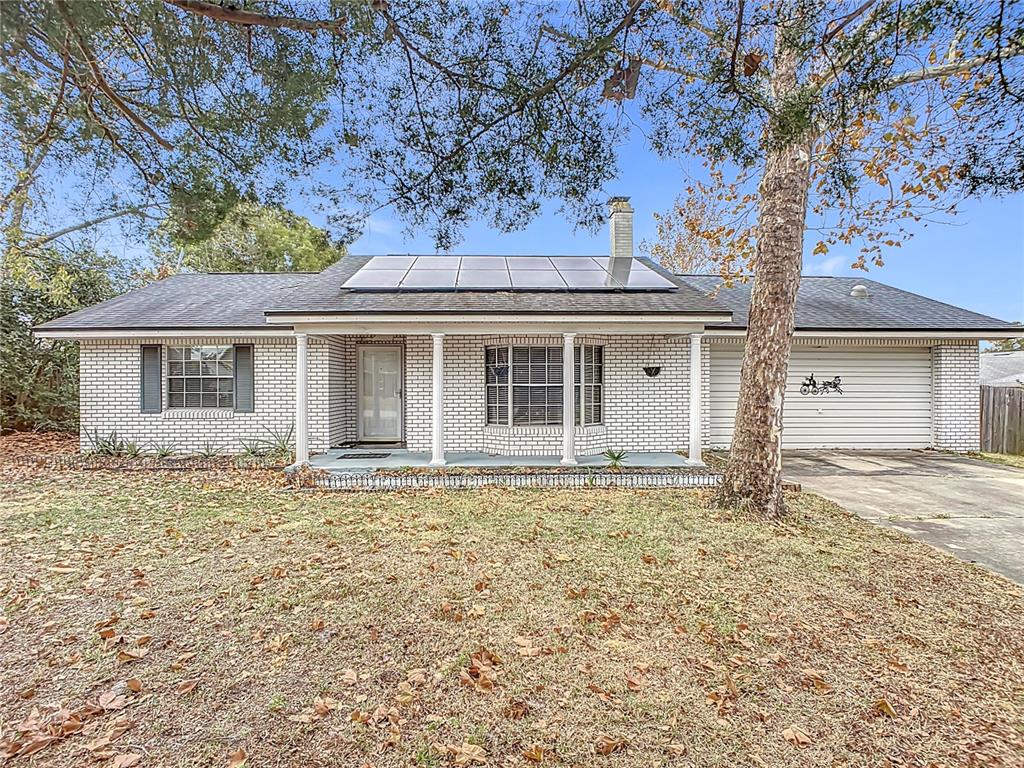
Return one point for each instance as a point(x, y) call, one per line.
point(507, 273)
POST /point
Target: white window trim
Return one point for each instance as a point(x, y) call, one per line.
point(579, 386)
point(190, 411)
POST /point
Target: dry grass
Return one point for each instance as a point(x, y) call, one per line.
point(1006, 459)
point(642, 624)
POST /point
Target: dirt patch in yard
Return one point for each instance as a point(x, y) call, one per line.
point(196, 619)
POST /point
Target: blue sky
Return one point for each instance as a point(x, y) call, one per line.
point(977, 261)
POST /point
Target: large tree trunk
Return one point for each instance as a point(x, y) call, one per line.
point(753, 477)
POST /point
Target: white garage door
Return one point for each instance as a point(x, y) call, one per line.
point(885, 400)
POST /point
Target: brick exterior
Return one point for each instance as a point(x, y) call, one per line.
point(641, 413)
point(109, 397)
point(956, 405)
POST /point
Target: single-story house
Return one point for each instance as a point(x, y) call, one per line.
point(452, 354)
point(1002, 369)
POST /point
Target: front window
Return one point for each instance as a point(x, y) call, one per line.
point(201, 377)
point(524, 385)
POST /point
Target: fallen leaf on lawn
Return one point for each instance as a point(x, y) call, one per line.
point(237, 758)
point(635, 681)
point(126, 655)
point(125, 760)
point(534, 754)
point(134, 684)
point(186, 687)
point(4, 624)
point(110, 700)
point(468, 754)
point(796, 736)
point(349, 677)
point(606, 744)
point(482, 671)
point(676, 749)
point(817, 679)
point(516, 710)
point(883, 706)
point(324, 705)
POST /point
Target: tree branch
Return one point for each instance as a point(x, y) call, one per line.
point(841, 24)
point(952, 68)
point(40, 240)
point(736, 46)
point(599, 45)
point(101, 82)
point(550, 31)
point(233, 15)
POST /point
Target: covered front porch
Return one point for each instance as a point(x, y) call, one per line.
point(470, 392)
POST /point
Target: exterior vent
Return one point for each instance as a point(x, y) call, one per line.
point(859, 291)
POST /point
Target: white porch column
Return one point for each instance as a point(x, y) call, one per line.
point(301, 394)
point(568, 395)
point(437, 452)
point(695, 399)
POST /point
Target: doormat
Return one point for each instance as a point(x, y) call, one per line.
point(364, 455)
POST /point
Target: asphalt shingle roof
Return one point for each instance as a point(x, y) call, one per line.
point(216, 300)
point(324, 294)
point(232, 300)
point(825, 303)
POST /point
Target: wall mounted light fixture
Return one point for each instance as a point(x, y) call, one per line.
point(652, 370)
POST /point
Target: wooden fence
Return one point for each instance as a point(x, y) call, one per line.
point(1002, 420)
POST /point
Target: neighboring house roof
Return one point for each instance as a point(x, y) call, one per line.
point(825, 304)
point(1002, 369)
point(324, 294)
point(212, 300)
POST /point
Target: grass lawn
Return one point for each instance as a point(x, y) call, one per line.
point(191, 620)
point(1007, 459)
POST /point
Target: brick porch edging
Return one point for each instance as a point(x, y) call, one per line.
point(367, 481)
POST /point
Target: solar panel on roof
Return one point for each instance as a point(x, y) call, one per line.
point(483, 278)
point(539, 278)
point(502, 273)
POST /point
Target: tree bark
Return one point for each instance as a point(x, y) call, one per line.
point(753, 477)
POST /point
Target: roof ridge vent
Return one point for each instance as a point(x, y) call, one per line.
point(859, 291)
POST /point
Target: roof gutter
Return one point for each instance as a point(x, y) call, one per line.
point(81, 334)
point(405, 318)
point(902, 333)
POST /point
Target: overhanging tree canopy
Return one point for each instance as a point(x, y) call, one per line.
point(869, 112)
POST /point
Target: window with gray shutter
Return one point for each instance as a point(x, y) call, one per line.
point(150, 379)
point(244, 393)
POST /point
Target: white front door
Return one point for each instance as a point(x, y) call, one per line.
point(380, 393)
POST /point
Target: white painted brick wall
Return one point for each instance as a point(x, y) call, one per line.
point(956, 406)
point(109, 397)
point(641, 413)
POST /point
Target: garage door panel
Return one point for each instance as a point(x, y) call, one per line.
point(886, 399)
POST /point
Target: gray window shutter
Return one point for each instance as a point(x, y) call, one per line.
point(244, 395)
point(150, 380)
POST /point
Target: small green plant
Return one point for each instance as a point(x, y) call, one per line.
point(253, 449)
point(280, 443)
point(132, 449)
point(111, 445)
point(210, 450)
point(277, 702)
point(163, 450)
point(615, 458)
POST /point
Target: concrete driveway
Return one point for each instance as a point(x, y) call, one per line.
point(968, 507)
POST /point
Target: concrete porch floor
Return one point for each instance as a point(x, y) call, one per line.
point(400, 457)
